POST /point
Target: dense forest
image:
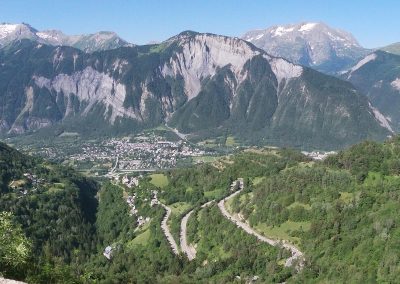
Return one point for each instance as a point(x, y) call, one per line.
point(342, 213)
point(53, 212)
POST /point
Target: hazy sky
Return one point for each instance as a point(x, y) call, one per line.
point(373, 22)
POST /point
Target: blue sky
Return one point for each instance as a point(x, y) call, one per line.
point(373, 22)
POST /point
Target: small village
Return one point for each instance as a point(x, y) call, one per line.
point(318, 155)
point(128, 154)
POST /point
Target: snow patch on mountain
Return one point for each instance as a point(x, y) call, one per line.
point(47, 36)
point(396, 84)
point(259, 36)
point(91, 87)
point(307, 27)
point(383, 121)
point(279, 31)
point(7, 29)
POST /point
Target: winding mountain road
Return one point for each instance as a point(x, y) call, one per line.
point(297, 255)
point(167, 232)
point(187, 248)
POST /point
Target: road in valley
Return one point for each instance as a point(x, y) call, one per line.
point(187, 248)
point(297, 255)
point(167, 232)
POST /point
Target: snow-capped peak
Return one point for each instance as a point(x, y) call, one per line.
point(313, 44)
point(54, 37)
point(6, 29)
point(307, 27)
point(90, 42)
point(279, 31)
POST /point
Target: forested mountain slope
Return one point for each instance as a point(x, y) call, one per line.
point(341, 213)
point(51, 211)
point(378, 76)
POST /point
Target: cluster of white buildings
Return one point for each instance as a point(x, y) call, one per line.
point(130, 181)
point(131, 203)
point(318, 155)
point(140, 221)
point(138, 153)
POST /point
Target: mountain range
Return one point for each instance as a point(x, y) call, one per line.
point(202, 84)
point(88, 43)
point(316, 45)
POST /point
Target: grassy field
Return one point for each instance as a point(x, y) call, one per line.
point(205, 159)
point(17, 183)
point(305, 206)
point(69, 134)
point(282, 232)
point(179, 207)
point(57, 187)
point(228, 204)
point(263, 151)
point(214, 194)
point(159, 180)
point(242, 199)
point(141, 239)
point(257, 180)
point(209, 143)
point(230, 141)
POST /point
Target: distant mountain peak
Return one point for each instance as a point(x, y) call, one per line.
point(313, 44)
point(88, 42)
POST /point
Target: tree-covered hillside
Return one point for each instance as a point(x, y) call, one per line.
point(52, 210)
point(340, 213)
point(343, 213)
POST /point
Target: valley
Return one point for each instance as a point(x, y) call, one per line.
point(114, 157)
point(166, 155)
point(185, 221)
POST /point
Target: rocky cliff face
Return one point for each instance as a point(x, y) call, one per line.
point(311, 44)
point(202, 84)
point(378, 76)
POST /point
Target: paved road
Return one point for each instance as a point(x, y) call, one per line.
point(9, 281)
point(187, 248)
point(296, 253)
point(167, 232)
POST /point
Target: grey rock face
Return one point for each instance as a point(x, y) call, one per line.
point(311, 44)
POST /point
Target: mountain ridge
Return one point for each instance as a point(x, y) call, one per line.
point(377, 75)
point(202, 84)
point(313, 44)
point(101, 40)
